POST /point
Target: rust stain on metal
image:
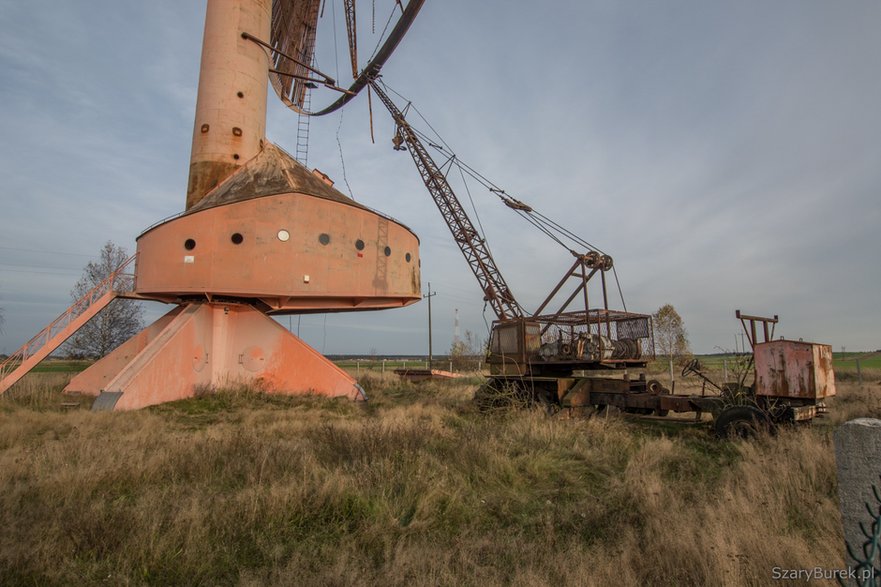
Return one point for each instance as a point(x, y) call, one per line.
point(229, 62)
point(787, 368)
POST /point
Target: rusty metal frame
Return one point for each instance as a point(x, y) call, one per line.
point(584, 268)
point(578, 269)
point(751, 330)
point(327, 79)
point(372, 69)
point(593, 321)
point(595, 263)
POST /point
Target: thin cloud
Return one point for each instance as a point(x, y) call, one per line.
point(724, 153)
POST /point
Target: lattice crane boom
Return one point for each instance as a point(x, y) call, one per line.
point(495, 290)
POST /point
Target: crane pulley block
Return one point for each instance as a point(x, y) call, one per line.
point(517, 205)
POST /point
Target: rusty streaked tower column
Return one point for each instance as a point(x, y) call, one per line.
point(231, 106)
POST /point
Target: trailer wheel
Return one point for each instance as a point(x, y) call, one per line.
point(741, 422)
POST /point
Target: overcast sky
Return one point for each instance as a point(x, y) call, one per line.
point(727, 154)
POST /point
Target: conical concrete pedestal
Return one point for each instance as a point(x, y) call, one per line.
point(200, 345)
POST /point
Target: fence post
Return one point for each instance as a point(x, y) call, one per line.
point(383, 366)
point(859, 373)
point(725, 367)
point(358, 366)
point(857, 445)
point(451, 366)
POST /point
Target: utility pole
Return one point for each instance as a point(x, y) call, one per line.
point(429, 295)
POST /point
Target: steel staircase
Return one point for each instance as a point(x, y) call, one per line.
point(52, 336)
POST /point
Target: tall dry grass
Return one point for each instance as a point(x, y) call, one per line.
point(40, 391)
point(415, 488)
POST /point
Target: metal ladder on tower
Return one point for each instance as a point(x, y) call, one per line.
point(308, 54)
point(302, 153)
point(19, 363)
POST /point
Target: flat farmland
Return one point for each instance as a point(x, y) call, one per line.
point(417, 487)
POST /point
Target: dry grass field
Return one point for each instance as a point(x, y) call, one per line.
point(415, 488)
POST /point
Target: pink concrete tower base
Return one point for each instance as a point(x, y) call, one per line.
point(202, 345)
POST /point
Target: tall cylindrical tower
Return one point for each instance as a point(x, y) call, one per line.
point(261, 235)
point(231, 105)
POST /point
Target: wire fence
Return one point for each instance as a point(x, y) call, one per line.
point(868, 559)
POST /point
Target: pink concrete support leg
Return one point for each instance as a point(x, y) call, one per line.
point(217, 345)
point(95, 378)
point(281, 362)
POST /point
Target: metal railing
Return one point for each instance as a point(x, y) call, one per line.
point(42, 338)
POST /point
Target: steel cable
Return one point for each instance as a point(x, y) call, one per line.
point(546, 225)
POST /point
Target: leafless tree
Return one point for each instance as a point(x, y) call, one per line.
point(466, 354)
point(115, 323)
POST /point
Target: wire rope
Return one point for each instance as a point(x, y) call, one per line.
point(384, 31)
point(336, 52)
point(620, 291)
point(473, 207)
point(549, 227)
point(342, 159)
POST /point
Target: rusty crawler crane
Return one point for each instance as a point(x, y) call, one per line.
point(557, 359)
point(540, 348)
